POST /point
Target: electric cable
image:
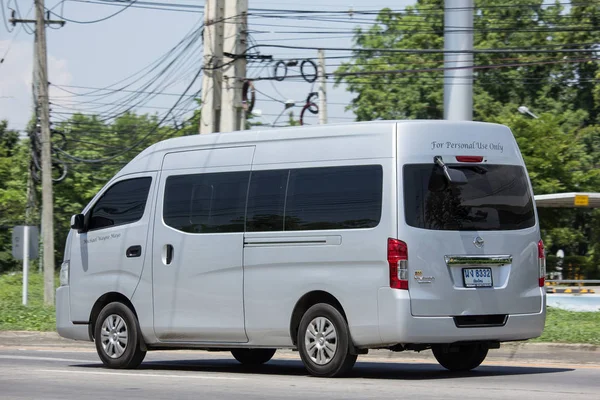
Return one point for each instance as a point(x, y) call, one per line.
point(131, 2)
point(26, 28)
point(142, 139)
point(4, 19)
point(310, 78)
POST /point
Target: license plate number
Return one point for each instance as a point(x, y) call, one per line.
point(477, 277)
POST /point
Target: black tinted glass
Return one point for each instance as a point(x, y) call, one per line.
point(206, 203)
point(122, 203)
point(496, 197)
point(334, 198)
point(266, 200)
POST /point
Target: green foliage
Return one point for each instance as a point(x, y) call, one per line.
point(292, 121)
point(414, 90)
point(15, 316)
point(571, 327)
point(91, 138)
point(13, 189)
point(573, 267)
point(114, 143)
point(561, 149)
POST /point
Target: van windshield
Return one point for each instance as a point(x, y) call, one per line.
point(496, 197)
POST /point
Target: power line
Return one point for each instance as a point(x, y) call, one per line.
point(180, 63)
point(103, 89)
point(424, 51)
point(474, 67)
point(136, 144)
point(345, 12)
point(27, 29)
point(4, 19)
point(193, 35)
point(131, 2)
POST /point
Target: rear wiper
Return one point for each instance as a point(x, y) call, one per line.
point(475, 168)
point(453, 175)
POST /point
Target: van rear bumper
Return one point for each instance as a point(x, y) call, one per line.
point(64, 326)
point(398, 325)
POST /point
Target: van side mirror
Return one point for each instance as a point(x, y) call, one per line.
point(78, 222)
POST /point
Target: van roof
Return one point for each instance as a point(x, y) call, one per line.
point(149, 159)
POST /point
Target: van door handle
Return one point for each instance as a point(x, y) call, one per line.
point(134, 251)
point(168, 254)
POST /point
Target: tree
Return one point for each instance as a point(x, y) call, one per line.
point(292, 121)
point(551, 82)
point(93, 150)
point(13, 188)
point(113, 144)
point(561, 149)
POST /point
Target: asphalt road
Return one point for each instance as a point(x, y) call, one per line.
point(46, 373)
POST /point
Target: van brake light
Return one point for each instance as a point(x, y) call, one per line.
point(397, 255)
point(469, 158)
point(541, 263)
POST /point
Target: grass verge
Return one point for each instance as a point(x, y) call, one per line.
point(571, 327)
point(561, 326)
point(15, 316)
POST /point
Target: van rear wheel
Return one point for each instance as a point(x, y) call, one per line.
point(253, 356)
point(460, 358)
point(117, 337)
point(324, 342)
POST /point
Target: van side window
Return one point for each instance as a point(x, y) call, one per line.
point(266, 200)
point(206, 203)
point(123, 203)
point(334, 198)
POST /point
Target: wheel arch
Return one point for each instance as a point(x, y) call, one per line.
point(307, 301)
point(102, 302)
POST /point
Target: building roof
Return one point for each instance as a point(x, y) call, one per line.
point(568, 200)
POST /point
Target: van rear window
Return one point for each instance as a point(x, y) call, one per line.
point(496, 197)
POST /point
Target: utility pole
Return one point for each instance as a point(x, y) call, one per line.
point(233, 117)
point(43, 98)
point(458, 83)
point(47, 198)
point(212, 76)
point(322, 88)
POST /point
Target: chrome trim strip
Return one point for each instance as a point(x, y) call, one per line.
point(496, 260)
point(269, 241)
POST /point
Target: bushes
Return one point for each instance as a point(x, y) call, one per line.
point(33, 317)
point(574, 267)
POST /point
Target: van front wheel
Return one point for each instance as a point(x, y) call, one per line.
point(117, 337)
point(324, 342)
point(460, 358)
point(253, 356)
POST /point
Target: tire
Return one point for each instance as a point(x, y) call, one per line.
point(324, 342)
point(117, 337)
point(462, 358)
point(253, 356)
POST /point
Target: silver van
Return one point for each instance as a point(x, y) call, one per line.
point(332, 240)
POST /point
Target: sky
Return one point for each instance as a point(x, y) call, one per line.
point(99, 54)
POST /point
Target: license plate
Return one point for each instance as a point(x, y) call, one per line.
point(477, 277)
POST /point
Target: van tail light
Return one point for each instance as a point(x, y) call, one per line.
point(469, 158)
point(397, 255)
point(542, 263)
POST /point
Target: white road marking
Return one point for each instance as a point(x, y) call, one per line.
point(43, 359)
point(141, 374)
